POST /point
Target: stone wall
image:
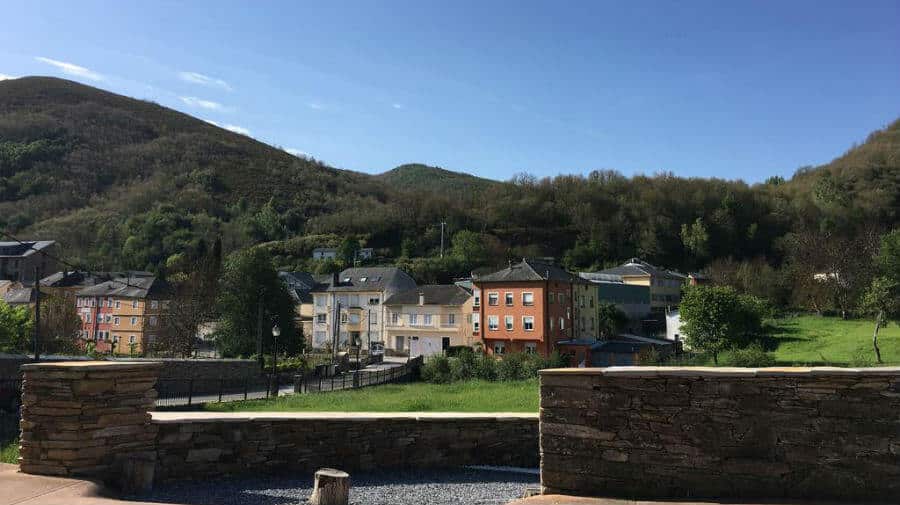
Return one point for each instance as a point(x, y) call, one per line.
point(195, 445)
point(86, 418)
point(645, 432)
point(202, 369)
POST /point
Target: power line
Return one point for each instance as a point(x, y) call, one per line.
point(65, 263)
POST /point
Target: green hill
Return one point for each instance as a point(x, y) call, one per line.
point(126, 183)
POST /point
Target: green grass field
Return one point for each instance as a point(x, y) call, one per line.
point(814, 340)
point(472, 396)
point(9, 453)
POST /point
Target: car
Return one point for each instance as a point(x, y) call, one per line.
point(377, 348)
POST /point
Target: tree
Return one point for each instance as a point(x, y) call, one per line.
point(470, 248)
point(696, 239)
point(16, 328)
point(248, 282)
point(347, 251)
point(882, 300)
point(60, 324)
point(611, 320)
point(715, 318)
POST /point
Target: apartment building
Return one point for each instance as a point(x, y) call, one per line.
point(123, 315)
point(526, 307)
point(584, 305)
point(300, 286)
point(664, 285)
point(360, 293)
point(428, 319)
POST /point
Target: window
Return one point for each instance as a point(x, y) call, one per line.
point(493, 299)
point(154, 304)
point(321, 318)
point(530, 347)
point(118, 304)
point(499, 348)
point(320, 301)
point(509, 299)
point(374, 301)
point(116, 321)
point(493, 323)
point(508, 320)
point(451, 319)
point(476, 294)
point(395, 318)
point(133, 321)
point(373, 318)
point(108, 318)
point(399, 342)
point(354, 318)
point(109, 302)
point(528, 323)
point(562, 324)
point(551, 324)
point(551, 298)
point(562, 298)
point(134, 304)
point(427, 319)
point(476, 323)
point(153, 320)
point(131, 339)
point(528, 299)
point(363, 279)
point(344, 318)
point(413, 319)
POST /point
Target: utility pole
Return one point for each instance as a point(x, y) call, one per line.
point(442, 238)
point(37, 314)
point(259, 332)
point(335, 330)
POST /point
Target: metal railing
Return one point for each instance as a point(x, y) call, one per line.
point(357, 378)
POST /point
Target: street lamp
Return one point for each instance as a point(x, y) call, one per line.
point(276, 332)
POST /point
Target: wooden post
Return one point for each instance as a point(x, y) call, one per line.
point(332, 487)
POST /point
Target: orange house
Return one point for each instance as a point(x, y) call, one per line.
point(123, 316)
point(526, 307)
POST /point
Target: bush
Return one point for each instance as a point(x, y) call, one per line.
point(437, 369)
point(486, 368)
point(465, 366)
point(511, 367)
point(753, 356)
point(455, 351)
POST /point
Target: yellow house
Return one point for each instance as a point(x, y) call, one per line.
point(428, 319)
point(665, 285)
point(584, 321)
point(122, 316)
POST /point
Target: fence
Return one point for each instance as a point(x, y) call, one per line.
point(10, 394)
point(188, 392)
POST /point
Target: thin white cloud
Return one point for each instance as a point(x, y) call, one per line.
point(237, 129)
point(210, 121)
point(315, 106)
point(203, 104)
point(297, 152)
point(398, 106)
point(71, 69)
point(204, 80)
point(4, 77)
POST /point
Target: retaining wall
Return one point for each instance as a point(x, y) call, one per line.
point(646, 432)
point(206, 444)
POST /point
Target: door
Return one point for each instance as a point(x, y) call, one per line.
point(398, 343)
point(445, 343)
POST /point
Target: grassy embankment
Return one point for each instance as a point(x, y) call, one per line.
point(472, 396)
point(831, 341)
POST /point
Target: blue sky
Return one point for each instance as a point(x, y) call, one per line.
point(711, 89)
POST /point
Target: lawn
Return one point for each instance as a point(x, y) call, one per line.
point(814, 340)
point(9, 453)
point(470, 396)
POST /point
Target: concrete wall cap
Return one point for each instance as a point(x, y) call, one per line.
point(237, 417)
point(659, 371)
point(91, 365)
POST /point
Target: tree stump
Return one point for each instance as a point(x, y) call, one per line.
point(332, 487)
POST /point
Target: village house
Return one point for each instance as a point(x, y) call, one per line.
point(19, 260)
point(360, 293)
point(526, 307)
point(428, 319)
point(122, 315)
point(585, 322)
point(664, 285)
point(300, 286)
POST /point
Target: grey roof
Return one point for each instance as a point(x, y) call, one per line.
point(529, 270)
point(388, 279)
point(600, 277)
point(435, 294)
point(24, 248)
point(72, 278)
point(300, 284)
point(19, 296)
point(133, 287)
point(638, 267)
point(325, 249)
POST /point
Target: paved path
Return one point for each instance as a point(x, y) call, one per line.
point(577, 500)
point(21, 489)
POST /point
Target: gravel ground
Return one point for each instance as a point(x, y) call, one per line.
point(443, 487)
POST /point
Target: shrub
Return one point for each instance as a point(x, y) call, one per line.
point(437, 369)
point(511, 367)
point(486, 368)
point(753, 356)
point(464, 367)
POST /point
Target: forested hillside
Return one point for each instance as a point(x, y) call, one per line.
point(126, 183)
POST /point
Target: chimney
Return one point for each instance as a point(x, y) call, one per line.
point(421, 298)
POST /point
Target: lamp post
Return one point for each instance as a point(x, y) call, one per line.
point(276, 332)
